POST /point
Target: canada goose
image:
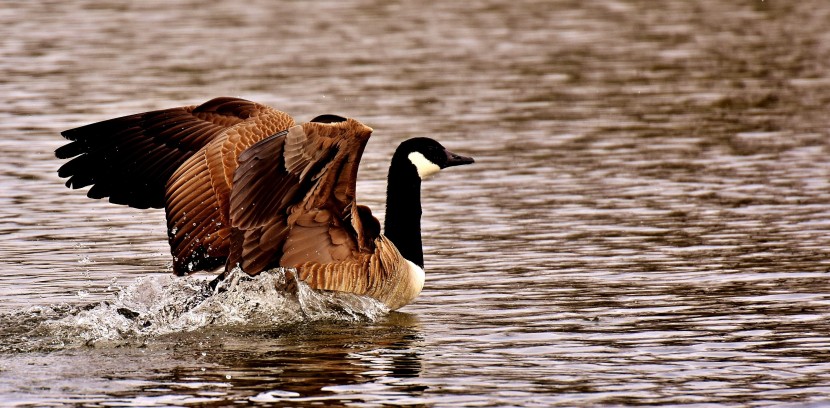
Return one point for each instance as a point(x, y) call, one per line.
point(243, 185)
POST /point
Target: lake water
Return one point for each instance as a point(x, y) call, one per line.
point(647, 221)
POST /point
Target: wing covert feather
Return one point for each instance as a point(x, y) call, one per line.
point(290, 184)
point(198, 193)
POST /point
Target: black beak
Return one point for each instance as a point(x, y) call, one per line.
point(456, 160)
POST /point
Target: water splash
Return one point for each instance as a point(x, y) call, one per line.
point(157, 305)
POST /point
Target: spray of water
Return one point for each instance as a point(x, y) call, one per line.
point(163, 304)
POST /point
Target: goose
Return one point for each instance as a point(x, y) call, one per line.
point(243, 186)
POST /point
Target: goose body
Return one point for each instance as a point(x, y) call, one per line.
point(243, 185)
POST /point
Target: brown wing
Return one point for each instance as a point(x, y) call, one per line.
point(130, 159)
point(293, 197)
point(262, 189)
point(198, 193)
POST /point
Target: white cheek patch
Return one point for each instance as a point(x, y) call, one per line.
point(425, 167)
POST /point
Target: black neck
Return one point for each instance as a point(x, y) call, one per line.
point(403, 210)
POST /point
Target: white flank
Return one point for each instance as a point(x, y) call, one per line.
point(425, 167)
point(417, 277)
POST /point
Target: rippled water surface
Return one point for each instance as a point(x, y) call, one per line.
point(647, 221)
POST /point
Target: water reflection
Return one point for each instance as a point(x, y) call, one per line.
point(305, 365)
point(299, 365)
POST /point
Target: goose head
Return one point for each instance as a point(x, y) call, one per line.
point(427, 156)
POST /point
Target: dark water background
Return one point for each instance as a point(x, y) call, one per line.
point(647, 221)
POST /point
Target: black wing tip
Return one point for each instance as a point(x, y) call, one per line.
point(77, 133)
point(67, 151)
point(91, 129)
point(103, 189)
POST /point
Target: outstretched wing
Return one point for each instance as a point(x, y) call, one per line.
point(198, 193)
point(293, 197)
point(130, 159)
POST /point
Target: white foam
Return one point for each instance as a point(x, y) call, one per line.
point(157, 305)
